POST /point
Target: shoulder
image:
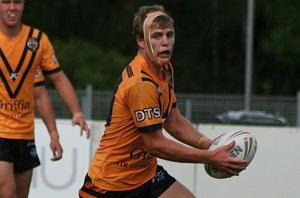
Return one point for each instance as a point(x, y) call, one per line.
point(135, 75)
point(32, 30)
point(136, 83)
point(38, 34)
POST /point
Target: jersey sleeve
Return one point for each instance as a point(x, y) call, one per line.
point(49, 62)
point(39, 79)
point(143, 103)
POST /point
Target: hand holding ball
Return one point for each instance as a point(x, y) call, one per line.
point(245, 148)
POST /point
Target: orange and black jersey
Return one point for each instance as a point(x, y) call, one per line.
point(22, 62)
point(140, 103)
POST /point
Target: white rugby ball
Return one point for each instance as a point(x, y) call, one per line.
point(245, 148)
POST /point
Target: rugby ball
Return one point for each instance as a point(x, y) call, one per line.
point(245, 148)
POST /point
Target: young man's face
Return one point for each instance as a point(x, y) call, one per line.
point(162, 42)
point(11, 12)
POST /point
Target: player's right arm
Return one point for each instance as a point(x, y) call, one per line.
point(45, 108)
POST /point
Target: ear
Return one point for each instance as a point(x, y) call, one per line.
point(140, 41)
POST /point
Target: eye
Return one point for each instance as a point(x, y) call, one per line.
point(5, 2)
point(156, 35)
point(170, 34)
point(8, 2)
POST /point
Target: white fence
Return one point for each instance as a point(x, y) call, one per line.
point(273, 173)
point(61, 178)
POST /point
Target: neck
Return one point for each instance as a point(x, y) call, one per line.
point(11, 32)
point(156, 69)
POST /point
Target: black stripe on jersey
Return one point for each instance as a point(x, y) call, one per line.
point(129, 71)
point(174, 105)
point(143, 72)
point(6, 63)
point(4, 80)
point(168, 69)
point(167, 109)
point(29, 65)
point(108, 120)
point(157, 86)
point(88, 181)
point(24, 52)
point(52, 71)
point(21, 61)
point(42, 83)
point(90, 192)
point(150, 128)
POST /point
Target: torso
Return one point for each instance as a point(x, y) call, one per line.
point(140, 104)
point(20, 58)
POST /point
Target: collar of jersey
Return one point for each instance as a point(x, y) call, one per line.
point(146, 68)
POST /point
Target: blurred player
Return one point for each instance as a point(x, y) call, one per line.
point(23, 50)
point(144, 103)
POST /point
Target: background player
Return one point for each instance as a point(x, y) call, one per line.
point(23, 50)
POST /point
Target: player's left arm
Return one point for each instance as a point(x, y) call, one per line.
point(183, 130)
point(50, 67)
point(67, 92)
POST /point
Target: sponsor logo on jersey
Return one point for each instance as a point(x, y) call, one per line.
point(147, 113)
point(139, 158)
point(14, 109)
point(32, 44)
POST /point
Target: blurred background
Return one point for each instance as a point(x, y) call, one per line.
point(93, 42)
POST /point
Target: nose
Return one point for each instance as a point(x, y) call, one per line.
point(12, 5)
point(165, 40)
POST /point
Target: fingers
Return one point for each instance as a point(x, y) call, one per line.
point(229, 165)
point(56, 155)
point(56, 150)
point(87, 130)
point(78, 119)
point(232, 169)
point(235, 169)
point(230, 172)
point(236, 160)
point(83, 127)
point(230, 145)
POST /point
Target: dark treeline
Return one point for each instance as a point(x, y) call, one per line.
point(93, 42)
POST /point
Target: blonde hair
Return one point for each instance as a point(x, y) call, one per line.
point(163, 21)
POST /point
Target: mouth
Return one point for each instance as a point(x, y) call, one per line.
point(12, 16)
point(164, 54)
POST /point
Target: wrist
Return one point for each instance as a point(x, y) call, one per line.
point(204, 142)
point(54, 135)
point(78, 114)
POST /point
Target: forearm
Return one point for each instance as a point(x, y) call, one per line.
point(66, 91)
point(45, 110)
point(174, 151)
point(181, 129)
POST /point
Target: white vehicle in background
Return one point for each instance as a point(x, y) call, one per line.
point(251, 118)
